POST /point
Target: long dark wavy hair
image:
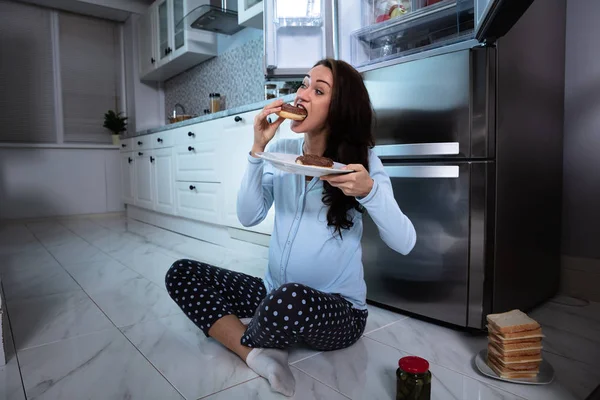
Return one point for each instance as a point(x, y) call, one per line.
point(350, 136)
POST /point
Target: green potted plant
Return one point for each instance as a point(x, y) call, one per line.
point(116, 124)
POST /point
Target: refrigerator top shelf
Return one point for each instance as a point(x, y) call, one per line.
point(425, 28)
point(419, 17)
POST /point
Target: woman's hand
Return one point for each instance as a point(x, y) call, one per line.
point(356, 184)
point(263, 129)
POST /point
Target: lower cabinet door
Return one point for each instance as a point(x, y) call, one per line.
point(164, 180)
point(143, 180)
point(201, 201)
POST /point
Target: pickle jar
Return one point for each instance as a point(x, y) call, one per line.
point(413, 379)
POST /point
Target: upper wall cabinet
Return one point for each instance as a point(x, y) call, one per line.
point(166, 48)
point(250, 13)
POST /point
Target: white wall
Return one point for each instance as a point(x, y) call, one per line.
point(581, 162)
point(43, 182)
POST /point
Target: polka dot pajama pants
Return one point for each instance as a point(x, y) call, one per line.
point(293, 313)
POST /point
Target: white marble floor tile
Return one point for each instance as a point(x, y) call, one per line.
point(149, 261)
point(77, 251)
point(447, 347)
point(197, 366)
point(367, 370)
point(16, 238)
point(114, 241)
point(45, 227)
point(299, 353)
point(560, 341)
point(117, 224)
point(101, 276)
point(574, 378)
point(136, 300)
point(37, 258)
point(100, 366)
point(202, 251)
point(55, 317)
point(23, 282)
point(51, 233)
point(11, 387)
point(379, 317)
point(307, 388)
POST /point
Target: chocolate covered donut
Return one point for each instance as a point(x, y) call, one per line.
point(315, 161)
point(292, 112)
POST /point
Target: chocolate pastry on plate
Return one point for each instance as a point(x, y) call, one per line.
point(315, 161)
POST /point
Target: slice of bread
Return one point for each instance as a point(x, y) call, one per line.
point(511, 322)
point(532, 366)
point(509, 348)
point(506, 360)
point(517, 340)
point(535, 333)
point(515, 353)
point(506, 374)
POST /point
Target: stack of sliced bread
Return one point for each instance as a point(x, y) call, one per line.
point(514, 345)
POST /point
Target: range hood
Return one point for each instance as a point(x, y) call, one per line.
point(219, 16)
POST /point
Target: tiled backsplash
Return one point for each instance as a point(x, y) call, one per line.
point(236, 74)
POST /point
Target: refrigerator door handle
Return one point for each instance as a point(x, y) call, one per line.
point(422, 171)
point(417, 149)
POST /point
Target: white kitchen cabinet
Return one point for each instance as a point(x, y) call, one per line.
point(144, 191)
point(128, 177)
point(198, 162)
point(199, 200)
point(177, 48)
point(250, 13)
point(163, 180)
point(238, 136)
point(147, 51)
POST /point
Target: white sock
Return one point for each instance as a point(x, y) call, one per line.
point(272, 364)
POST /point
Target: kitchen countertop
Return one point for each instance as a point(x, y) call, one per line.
point(209, 117)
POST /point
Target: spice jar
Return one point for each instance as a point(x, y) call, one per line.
point(413, 379)
point(214, 103)
point(270, 91)
point(284, 91)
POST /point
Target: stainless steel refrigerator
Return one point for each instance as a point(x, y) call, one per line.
point(472, 141)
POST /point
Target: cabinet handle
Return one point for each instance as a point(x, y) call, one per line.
point(152, 60)
point(190, 148)
point(152, 159)
point(123, 145)
point(140, 143)
point(192, 187)
point(166, 51)
point(140, 154)
point(159, 140)
point(191, 134)
point(129, 160)
point(237, 118)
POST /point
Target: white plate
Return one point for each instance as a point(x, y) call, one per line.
point(544, 377)
point(287, 163)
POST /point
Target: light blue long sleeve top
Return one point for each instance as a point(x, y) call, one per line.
point(303, 249)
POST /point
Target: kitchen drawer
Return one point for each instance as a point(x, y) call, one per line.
point(199, 201)
point(204, 131)
point(161, 140)
point(127, 145)
point(197, 162)
point(240, 120)
point(143, 142)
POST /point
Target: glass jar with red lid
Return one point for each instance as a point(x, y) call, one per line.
point(413, 379)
